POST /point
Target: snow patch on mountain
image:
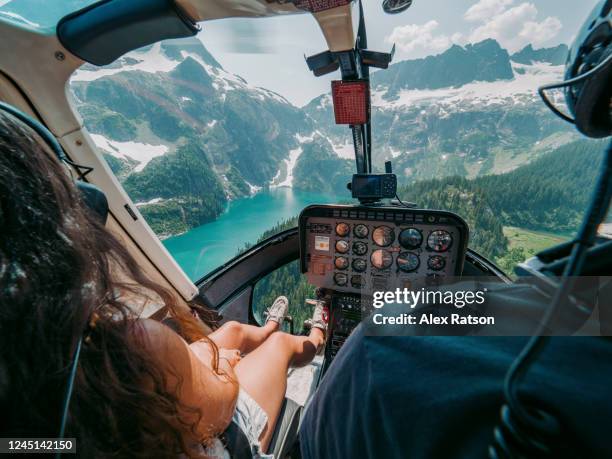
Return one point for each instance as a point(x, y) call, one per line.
point(253, 189)
point(141, 152)
point(305, 139)
point(345, 151)
point(290, 163)
point(150, 202)
point(521, 90)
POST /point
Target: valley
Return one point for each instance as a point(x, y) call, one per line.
point(465, 129)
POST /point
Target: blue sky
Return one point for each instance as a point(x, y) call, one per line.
point(269, 52)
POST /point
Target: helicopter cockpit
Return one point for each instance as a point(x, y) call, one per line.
point(341, 251)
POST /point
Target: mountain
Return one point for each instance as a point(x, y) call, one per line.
point(549, 194)
point(552, 56)
point(469, 111)
point(172, 107)
point(320, 170)
point(457, 66)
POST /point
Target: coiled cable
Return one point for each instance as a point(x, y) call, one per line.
point(524, 430)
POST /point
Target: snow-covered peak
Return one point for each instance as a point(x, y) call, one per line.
point(520, 90)
point(157, 59)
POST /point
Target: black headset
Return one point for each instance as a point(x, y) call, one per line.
point(588, 76)
point(525, 430)
point(94, 199)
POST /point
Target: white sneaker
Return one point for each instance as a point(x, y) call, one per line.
point(278, 311)
point(320, 316)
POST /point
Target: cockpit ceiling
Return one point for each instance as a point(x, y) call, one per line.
point(334, 16)
point(203, 10)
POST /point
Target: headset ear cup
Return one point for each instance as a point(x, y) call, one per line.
point(95, 199)
point(593, 110)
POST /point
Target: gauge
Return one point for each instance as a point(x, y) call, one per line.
point(410, 238)
point(360, 265)
point(341, 262)
point(342, 229)
point(357, 281)
point(361, 231)
point(342, 246)
point(383, 236)
point(439, 241)
point(381, 259)
point(407, 262)
point(340, 279)
point(436, 263)
point(360, 248)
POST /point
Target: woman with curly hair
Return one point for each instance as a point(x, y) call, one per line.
point(141, 389)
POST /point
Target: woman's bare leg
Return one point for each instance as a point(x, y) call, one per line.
point(245, 338)
point(263, 373)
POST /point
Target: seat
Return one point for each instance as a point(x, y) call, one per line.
point(286, 430)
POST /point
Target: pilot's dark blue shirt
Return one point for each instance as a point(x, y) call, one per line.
point(439, 397)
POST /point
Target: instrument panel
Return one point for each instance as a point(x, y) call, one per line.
point(362, 249)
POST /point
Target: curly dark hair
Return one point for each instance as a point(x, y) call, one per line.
point(58, 265)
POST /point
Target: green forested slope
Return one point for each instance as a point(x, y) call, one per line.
point(320, 170)
point(287, 281)
point(184, 180)
point(549, 194)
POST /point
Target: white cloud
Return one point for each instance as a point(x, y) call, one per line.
point(538, 33)
point(485, 9)
point(516, 27)
point(421, 38)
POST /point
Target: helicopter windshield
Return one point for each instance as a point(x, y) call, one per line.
point(39, 14)
point(222, 139)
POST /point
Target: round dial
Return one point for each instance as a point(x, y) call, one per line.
point(410, 238)
point(342, 246)
point(342, 229)
point(436, 263)
point(407, 262)
point(341, 262)
point(340, 279)
point(383, 236)
point(360, 248)
point(359, 265)
point(439, 241)
point(381, 259)
point(357, 281)
point(361, 231)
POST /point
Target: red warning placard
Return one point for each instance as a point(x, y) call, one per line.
point(351, 102)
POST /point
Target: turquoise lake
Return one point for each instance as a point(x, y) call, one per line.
point(206, 247)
